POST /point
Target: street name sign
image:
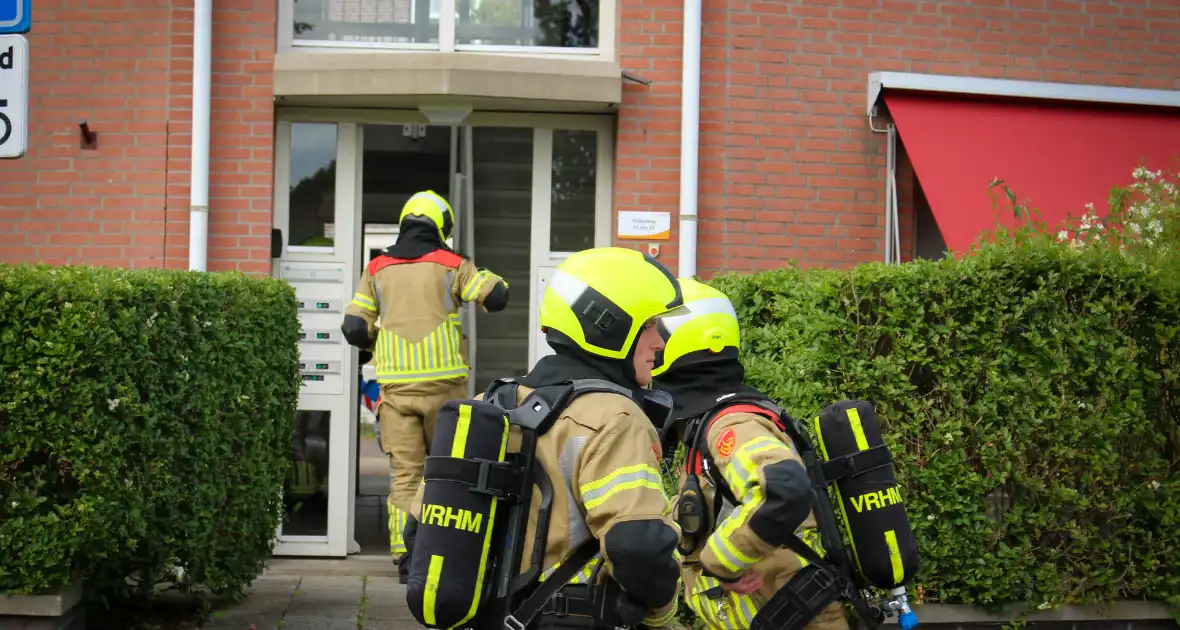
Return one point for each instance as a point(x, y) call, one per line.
point(16, 16)
point(14, 96)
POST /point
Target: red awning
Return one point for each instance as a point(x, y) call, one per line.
point(1056, 157)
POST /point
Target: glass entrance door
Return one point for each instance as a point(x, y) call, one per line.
point(571, 207)
point(313, 209)
point(527, 191)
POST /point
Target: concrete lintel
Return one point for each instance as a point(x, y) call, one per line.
point(50, 604)
point(342, 76)
point(1125, 610)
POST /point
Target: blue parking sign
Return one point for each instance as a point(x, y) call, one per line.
point(15, 16)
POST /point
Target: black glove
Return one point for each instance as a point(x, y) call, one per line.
point(365, 356)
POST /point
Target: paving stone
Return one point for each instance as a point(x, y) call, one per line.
point(266, 601)
point(73, 619)
point(386, 608)
point(315, 622)
point(332, 598)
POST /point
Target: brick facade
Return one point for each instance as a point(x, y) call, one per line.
point(126, 67)
point(789, 168)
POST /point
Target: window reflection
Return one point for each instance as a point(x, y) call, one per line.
point(311, 206)
point(369, 21)
point(549, 23)
point(575, 180)
point(305, 493)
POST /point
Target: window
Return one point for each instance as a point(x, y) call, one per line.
point(575, 181)
point(543, 23)
point(367, 21)
point(545, 26)
point(312, 194)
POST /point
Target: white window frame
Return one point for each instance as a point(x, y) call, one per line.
point(607, 30)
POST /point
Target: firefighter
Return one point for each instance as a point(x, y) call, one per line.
point(602, 452)
point(733, 567)
point(415, 288)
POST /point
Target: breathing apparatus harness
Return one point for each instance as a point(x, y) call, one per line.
point(493, 593)
point(822, 581)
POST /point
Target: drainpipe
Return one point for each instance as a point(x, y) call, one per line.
point(690, 118)
point(198, 236)
point(892, 231)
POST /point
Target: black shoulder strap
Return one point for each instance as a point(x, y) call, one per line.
point(700, 435)
point(502, 393)
point(788, 425)
point(528, 609)
point(537, 413)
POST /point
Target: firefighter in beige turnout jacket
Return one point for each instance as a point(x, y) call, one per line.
point(731, 570)
point(406, 309)
point(602, 453)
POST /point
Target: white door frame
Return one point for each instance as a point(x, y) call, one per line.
point(350, 137)
point(343, 431)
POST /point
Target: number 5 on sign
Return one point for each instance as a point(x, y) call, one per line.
point(14, 96)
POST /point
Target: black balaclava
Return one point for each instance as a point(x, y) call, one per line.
point(416, 238)
point(699, 378)
point(571, 362)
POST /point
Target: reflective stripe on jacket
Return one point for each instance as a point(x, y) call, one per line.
point(742, 442)
point(411, 307)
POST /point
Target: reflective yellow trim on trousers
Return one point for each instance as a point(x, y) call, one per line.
point(364, 301)
point(436, 357)
point(730, 611)
point(302, 478)
point(397, 524)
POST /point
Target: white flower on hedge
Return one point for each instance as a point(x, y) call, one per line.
point(112, 403)
point(1155, 485)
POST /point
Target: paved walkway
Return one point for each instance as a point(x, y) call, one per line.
point(359, 592)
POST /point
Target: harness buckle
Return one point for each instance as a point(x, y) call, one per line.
point(559, 605)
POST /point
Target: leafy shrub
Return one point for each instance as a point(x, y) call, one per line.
point(1028, 393)
point(145, 421)
point(1143, 222)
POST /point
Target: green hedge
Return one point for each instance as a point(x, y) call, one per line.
point(145, 421)
point(1029, 394)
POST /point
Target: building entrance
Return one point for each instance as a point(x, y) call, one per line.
point(527, 191)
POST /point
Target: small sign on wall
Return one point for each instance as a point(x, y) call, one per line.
point(645, 226)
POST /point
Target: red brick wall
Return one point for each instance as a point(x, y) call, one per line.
point(789, 168)
point(126, 67)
